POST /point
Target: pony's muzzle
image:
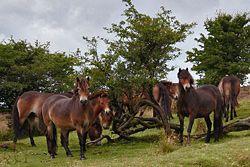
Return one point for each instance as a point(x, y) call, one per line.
point(107, 110)
point(105, 126)
point(83, 101)
point(186, 86)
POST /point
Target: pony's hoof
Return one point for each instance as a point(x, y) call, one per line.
point(207, 140)
point(52, 156)
point(33, 145)
point(69, 155)
point(83, 158)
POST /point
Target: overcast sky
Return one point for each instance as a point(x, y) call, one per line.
point(64, 22)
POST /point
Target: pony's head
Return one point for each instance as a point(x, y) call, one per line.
point(185, 79)
point(82, 89)
point(106, 119)
point(104, 102)
point(173, 89)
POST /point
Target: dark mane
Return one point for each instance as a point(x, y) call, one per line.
point(101, 93)
point(165, 99)
point(166, 83)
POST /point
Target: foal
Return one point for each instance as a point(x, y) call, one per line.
point(198, 103)
point(71, 114)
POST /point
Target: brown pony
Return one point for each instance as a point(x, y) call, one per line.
point(173, 89)
point(70, 114)
point(103, 121)
point(161, 93)
point(28, 110)
point(229, 87)
point(198, 103)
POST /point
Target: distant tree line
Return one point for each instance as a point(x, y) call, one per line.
point(25, 66)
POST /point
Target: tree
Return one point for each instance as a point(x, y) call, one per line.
point(27, 67)
point(137, 57)
point(224, 50)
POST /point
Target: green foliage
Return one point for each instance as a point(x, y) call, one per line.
point(31, 67)
point(225, 50)
point(139, 54)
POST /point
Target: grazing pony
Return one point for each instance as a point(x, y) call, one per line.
point(103, 121)
point(198, 103)
point(70, 114)
point(229, 87)
point(27, 112)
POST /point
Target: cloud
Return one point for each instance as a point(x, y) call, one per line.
point(64, 22)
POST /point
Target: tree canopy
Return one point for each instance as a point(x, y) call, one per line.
point(224, 50)
point(139, 54)
point(27, 67)
point(134, 60)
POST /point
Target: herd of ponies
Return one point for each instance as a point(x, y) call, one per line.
point(88, 113)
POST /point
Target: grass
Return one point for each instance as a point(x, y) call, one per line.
point(149, 148)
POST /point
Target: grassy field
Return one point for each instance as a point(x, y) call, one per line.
point(143, 149)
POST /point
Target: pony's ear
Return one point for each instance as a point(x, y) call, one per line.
point(88, 78)
point(77, 79)
point(187, 69)
point(179, 69)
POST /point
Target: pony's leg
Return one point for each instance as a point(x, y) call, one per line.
point(231, 112)
point(51, 140)
point(84, 140)
point(181, 119)
point(65, 142)
point(81, 143)
point(209, 124)
point(227, 112)
point(31, 125)
point(235, 114)
point(32, 142)
point(190, 125)
point(49, 143)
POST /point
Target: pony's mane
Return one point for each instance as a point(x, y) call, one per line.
point(101, 93)
point(165, 99)
point(165, 82)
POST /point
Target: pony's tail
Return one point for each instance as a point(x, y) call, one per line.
point(165, 103)
point(219, 116)
point(42, 126)
point(233, 95)
point(15, 121)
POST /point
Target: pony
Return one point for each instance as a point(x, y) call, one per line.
point(229, 87)
point(28, 107)
point(198, 103)
point(162, 91)
point(103, 121)
point(70, 114)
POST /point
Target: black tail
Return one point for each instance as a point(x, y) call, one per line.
point(164, 100)
point(42, 126)
point(218, 116)
point(233, 95)
point(15, 121)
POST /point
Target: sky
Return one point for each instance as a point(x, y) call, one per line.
point(64, 22)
